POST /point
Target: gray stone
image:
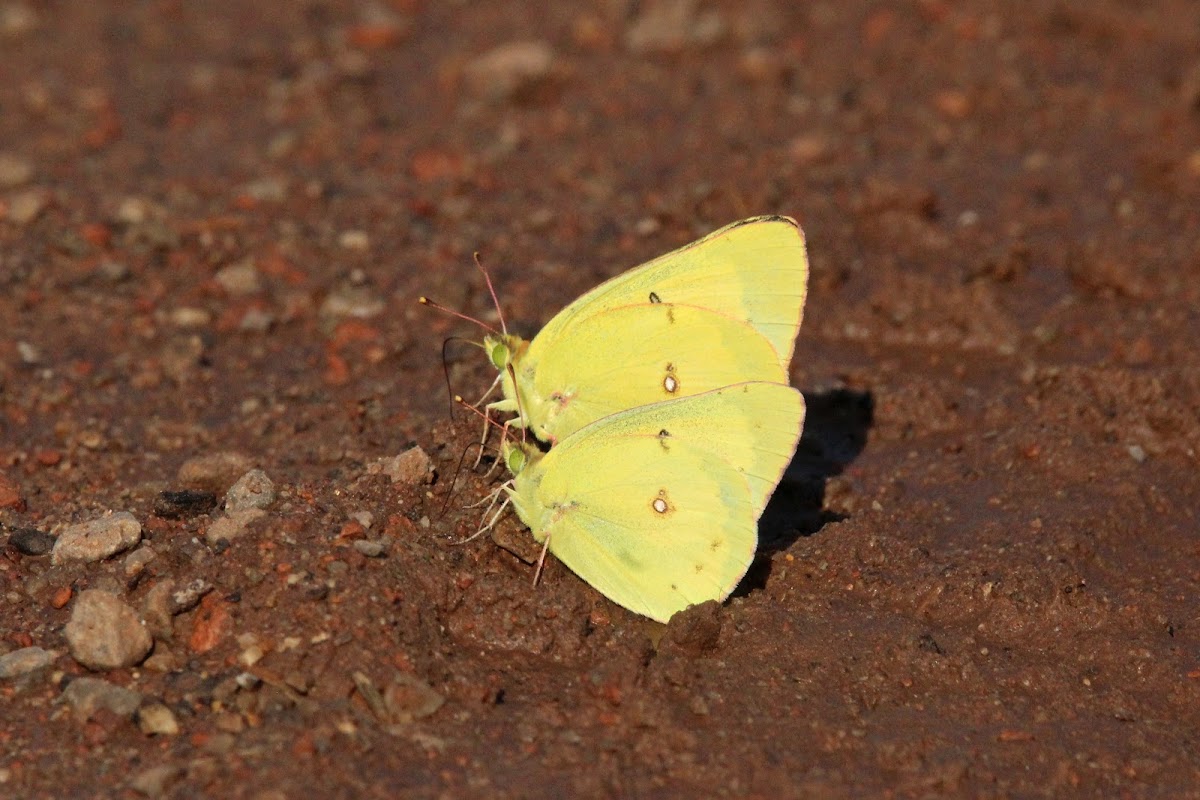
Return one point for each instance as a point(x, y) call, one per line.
point(97, 539)
point(252, 490)
point(26, 660)
point(411, 467)
point(156, 781)
point(214, 472)
point(231, 526)
point(371, 548)
point(86, 696)
point(155, 719)
point(507, 71)
point(105, 633)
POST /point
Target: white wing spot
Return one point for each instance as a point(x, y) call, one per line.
point(670, 382)
point(660, 504)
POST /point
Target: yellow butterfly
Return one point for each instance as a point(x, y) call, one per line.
point(657, 507)
point(722, 310)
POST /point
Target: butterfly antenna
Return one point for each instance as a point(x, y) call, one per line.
point(425, 301)
point(487, 418)
point(454, 480)
point(492, 290)
point(446, 368)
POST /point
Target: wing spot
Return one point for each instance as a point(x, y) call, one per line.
point(660, 504)
point(670, 382)
point(654, 298)
point(663, 435)
point(699, 568)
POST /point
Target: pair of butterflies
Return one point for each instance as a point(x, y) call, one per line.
point(663, 396)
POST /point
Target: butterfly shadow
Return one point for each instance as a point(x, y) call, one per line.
point(835, 431)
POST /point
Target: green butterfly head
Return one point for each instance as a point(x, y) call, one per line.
point(509, 355)
point(503, 349)
point(519, 455)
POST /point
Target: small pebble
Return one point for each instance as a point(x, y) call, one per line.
point(105, 633)
point(669, 26)
point(97, 539)
point(113, 271)
point(371, 548)
point(162, 660)
point(509, 70)
point(10, 493)
point(231, 526)
point(411, 467)
point(26, 206)
point(155, 719)
point(256, 320)
point(252, 490)
point(88, 695)
point(358, 302)
point(248, 681)
point(156, 781)
point(26, 660)
point(134, 210)
point(29, 353)
point(240, 278)
point(214, 472)
point(355, 240)
point(190, 317)
point(135, 562)
point(270, 190)
point(158, 609)
point(409, 698)
point(14, 170)
point(184, 504)
point(31, 542)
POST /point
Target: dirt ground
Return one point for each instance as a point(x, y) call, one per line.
point(979, 577)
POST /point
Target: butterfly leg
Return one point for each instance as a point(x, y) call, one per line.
point(487, 420)
point(541, 560)
point(490, 524)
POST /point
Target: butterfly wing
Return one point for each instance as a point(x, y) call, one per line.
point(610, 349)
point(753, 426)
point(657, 507)
point(755, 270)
point(635, 355)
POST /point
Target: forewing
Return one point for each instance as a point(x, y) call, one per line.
point(632, 356)
point(755, 270)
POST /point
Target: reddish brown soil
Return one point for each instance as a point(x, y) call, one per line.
point(979, 578)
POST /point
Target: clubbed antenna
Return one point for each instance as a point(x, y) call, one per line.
point(425, 301)
point(492, 290)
